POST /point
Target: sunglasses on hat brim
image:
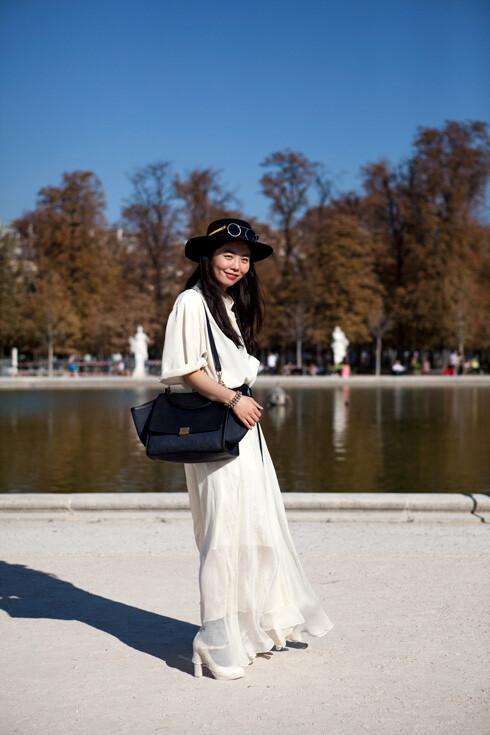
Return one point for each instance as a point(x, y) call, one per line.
point(235, 230)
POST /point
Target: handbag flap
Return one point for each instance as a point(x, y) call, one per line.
point(185, 413)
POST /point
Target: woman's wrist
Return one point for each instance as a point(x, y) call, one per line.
point(231, 395)
point(234, 399)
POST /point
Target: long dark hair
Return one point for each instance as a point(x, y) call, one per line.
point(249, 305)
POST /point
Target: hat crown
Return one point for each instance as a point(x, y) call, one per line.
point(219, 223)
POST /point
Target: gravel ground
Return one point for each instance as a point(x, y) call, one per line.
point(97, 618)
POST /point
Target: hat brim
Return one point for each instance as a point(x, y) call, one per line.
point(204, 245)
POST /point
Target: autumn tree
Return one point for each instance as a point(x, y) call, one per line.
point(477, 334)
point(429, 243)
point(343, 288)
point(10, 291)
point(380, 323)
point(50, 319)
point(287, 179)
point(65, 242)
point(150, 219)
point(136, 302)
point(447, 180)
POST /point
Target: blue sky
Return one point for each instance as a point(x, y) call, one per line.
point(110, 85)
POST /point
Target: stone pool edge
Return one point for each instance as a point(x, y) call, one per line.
point(299, 506)
point(263, 381)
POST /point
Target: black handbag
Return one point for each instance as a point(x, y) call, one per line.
point(188, 427)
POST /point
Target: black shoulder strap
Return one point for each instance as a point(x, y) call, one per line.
point(217, 363)
point(260, 442)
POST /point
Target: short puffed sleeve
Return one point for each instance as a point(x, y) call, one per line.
point(184, 350)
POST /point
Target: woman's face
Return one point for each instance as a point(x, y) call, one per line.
point(230, 263)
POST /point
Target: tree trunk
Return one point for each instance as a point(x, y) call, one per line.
point(378, 354)
point(319, 359)
point(299, 353)
point(50, 358)
point(460, 329)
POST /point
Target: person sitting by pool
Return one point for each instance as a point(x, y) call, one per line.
point(344, 370)
point(397, 368)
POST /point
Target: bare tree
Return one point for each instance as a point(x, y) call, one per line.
point(151, 214)
point(204, 199)
point(323, 185)
point(286, 183)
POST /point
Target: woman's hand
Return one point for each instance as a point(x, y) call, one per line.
point(248, 411)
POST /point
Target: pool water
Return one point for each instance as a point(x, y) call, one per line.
point(333, 439)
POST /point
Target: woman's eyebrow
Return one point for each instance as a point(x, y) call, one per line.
point(233, 251)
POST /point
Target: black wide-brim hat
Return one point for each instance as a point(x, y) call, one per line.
point(218, 233)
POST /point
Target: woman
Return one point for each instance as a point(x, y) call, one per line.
point(254, 594)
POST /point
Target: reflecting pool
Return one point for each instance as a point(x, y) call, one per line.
point(335, 439)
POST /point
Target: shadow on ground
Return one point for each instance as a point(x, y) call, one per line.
point(29, 593)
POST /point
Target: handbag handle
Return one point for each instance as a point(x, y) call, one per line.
point(178, 399)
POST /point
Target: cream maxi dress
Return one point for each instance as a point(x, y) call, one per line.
point(254, 593)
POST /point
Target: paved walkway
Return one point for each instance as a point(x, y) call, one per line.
point(98, 611)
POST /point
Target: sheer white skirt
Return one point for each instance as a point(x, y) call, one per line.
point(254, 593)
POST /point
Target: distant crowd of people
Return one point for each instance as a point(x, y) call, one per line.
point(409, 364)
point(455, 365)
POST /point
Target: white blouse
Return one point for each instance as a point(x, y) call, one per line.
point(187, 348)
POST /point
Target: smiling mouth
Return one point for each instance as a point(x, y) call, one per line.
point(230, 275)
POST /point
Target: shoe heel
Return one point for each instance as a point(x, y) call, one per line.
point(197, 670)
point(197, 661)
point(201, 658)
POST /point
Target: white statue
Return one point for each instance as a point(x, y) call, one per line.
point(339, 345)
point(14, 370)
point(139, 347)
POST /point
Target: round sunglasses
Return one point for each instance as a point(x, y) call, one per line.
point(235, 230)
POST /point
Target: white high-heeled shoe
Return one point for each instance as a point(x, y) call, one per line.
point(202, 658)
